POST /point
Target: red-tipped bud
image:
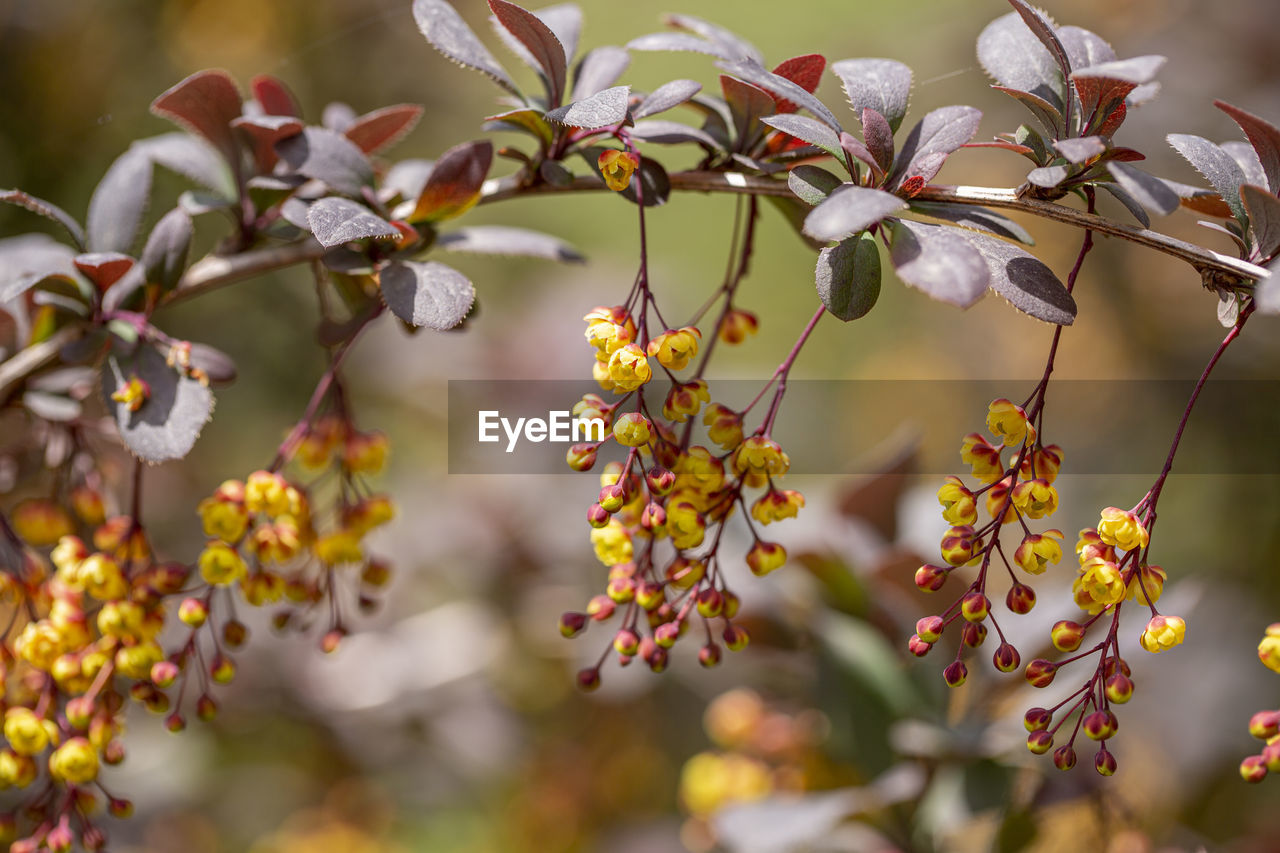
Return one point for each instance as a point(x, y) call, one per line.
point(621, 590)
point(975, 607)
point(709, 655)
point(193, 612)
point(1064, 757)
point(572, 623)
point(331, 640)
point(710, 603)
point(612, 498)
point(735, 638)
point(163, 673)
point(625, 642)
point(918, 647)
point(206, 708)
point(1105, 763)
point(931, 578)
point(1021, 599)
point(113, 753)
point(234, 633)
point(597, 516)
point(973, 634)
point(1066, 635)
point(1040, 672)
point(659, 480)
point(120, 808)
point(1119, 688)
point(1006, 658)
point(1039, 741)
point(588, 679)
point(1271, 755)
point(581, 457)
point(1265, 725)
point(650, 595)
point(930, 628)
point(79, 711)
point(653, 516)
point(665, 635)
point(1115, 665)
point(175, 722)
point(955, 673)
point(60, 838)
point(1037, 719)
point(1253, 769)
point(601, 607)
point(221, 669)
point(1100, 725)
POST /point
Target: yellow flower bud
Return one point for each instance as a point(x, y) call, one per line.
point(617, 167)
point(674, 349)
point(685, 400)
point(958, 504)
point(40, 522)
point(25, 731)
point(1038, 550)
point(75, 762)
point(632, 430)
point(339, 547)
point(612, 543)
point(1163, 632)
point(1123, 529)
point(982, 457)
point(1269, 648)
point(220, 564)
point(737, 326)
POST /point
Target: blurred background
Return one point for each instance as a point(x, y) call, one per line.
point(449, 722)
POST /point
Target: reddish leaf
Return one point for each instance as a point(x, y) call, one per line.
point(103, 268)
point(265, 131)
point(1264, 137)
point(539, 40)
point(748, 104)
point(805, 72)
point(204, 104)
point(383, 128)
point(455, 182)
point(274, 96)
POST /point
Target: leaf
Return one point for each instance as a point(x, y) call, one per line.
point(781, 88)
point(327, 156)
point(1267, 293)
point(805, 71)
point(565, 21)
point(1150, 191)
point(380, 129)
point(976, 218)
point(1264, 219)
point(938, 261)
point(600, 110)
point(672, 133)
point(204, 104)
point(1016, 59)
point(427, 294)
point(849, 211)
point(1217, 166)
point(445, 30)
point(408, 177)
point(337, 117)
point(747, 104)
point(665, 97)
point(878, 134)
point(733, 45)
point(335, 221)
point(554, 173)
point(1130, 203)
point(118, 203)
point(1047, 114)
point(652, 178)
point(455, 182)
point(599, 70)
point(1080, 149)
point(812, 184)
point(1043, 29)
point(51, 407)
point(103, 268)
point(883, 85)
point(27, 259)
point(164, 258)
point(218, 367)
point(1084, 48)
point(501, 240)
point(809, 130)
point(1103, 88)
point(1247, 159)
point(539, 40)
point(274, 97)
point(1263, 136)
point(192, 158)
point(48, 210)
point(854, 148)
point(169, 421)
point(940, 132)
point(848, 277)
point(265, 132)
point(678, 42)
point(1026, 282)
point(528, 120)
point(1047, 176)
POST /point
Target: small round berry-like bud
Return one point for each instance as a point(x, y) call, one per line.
point(1253, 769)
point(1037, 719)
point(206, 708)
point(1021, 599)
point(656, 658)
point(764, 557)
point(1006, 658)
point(281, 620)
point(650, 595)
point(710, 603)
point(958, 545)
point(613, 497)
point(930, 628)
point(175, 722)
point(1105, 763)
point(113, 753)
point(1039, 741)
point(234, 633)
point(600, 608)
point(660, 480)
point(1064, 757)
point(331, 640)
point(735, 638)
point(1100, 725)
point(588, 679)
point(931, 578)
point(684, 573)
point(60, 838)
point(626, 642)
point(581, 457)
point(1271, 756)
point(164, 673)
point(572, 623)
point(955, 673)
point(1066, 635)
point(79, 711)
point(653, 517)
point(665, 635)
point(917, 646)
point(709, 655)
point(1119, 688)
point(157, 702)
point(193, 612)
point(632, 430)
point(120, 807)
point(222, 669)
point(1040, 672)
point(975, 607)
point(731, 604)
point(973, 634)
point(1265, 725)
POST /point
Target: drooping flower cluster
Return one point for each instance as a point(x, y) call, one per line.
point(1265, 725)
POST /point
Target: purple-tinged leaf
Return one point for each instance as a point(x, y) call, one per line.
point(812, 184)
point(1217, 166)
point(265, 131)
point(565, 21)
point(218, 367)
point(780, 88)
point(1143, 94)
point(294, 211)
point(29, 258)
point(1247, 159)
point(747, 104)
point(1024, 281)
point(1084, 49)
point(118, 203)
point(444, 28)
point(427, 294)
point(849, 211)
point(883, 85)
point(1047, 114)
point(328, 156)
point(204, 104)
point(1016, 59)
point(1044, 29)
point(651, 177)
point(602, 109)
point(878, 134)
point(1135, 71)
point(733, 45)
point(672, 133)
point(1080, 149)
point(380, 129)
point(665, 97)
point(1103, 88)
point(1047, 177)
point(192, 158)
point(554, 173)
point(854, 148)
point(407, 177)
point(501, 240)
point(334, 221)
point(1267, 293)
point(274, 97)
point(164, 257)
point(527, 120)
point(51, 407)
point(940, 132)
point(337, 117)
point(1151, 192)
point(807, 129)
point(538, 39)
point(103, 268)
point(48, 210)
point(975, 218)
point(1264, 219)
point(599, 70)
point(848, 277)
point(170, 419)
point(455, 182)
point(682, 42)
point(1129, 202)
point(938, 261)
point(1263, 136)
